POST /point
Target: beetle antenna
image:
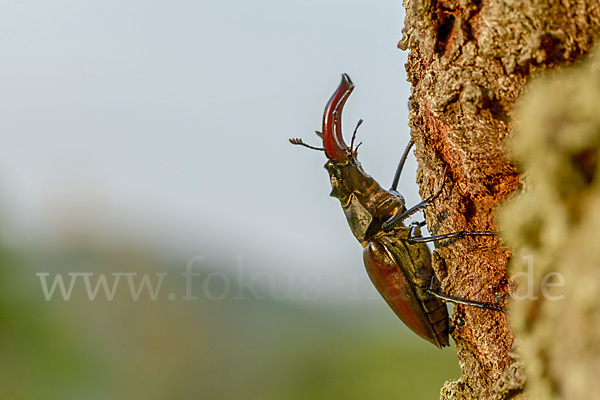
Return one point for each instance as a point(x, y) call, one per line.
point(299, 142)
point(401, 165)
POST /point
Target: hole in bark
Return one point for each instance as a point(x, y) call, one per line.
point(445, 29)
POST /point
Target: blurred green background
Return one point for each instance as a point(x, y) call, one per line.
point(141, 134)
point(251, 348)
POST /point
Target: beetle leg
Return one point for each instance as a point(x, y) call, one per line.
point(478, 304)
point(396, 219)
point(452, 326)
point(458, 300)
point(401, 166)
point(451, 329)
point(412, 238)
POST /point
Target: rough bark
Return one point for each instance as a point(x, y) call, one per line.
point(468, 63)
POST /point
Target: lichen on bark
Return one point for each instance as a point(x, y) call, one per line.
point(468, 63)
point(555, 225)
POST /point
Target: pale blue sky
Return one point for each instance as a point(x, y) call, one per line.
point(167, 122)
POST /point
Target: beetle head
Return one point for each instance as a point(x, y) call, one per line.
point(342, 176)
point(364, 202)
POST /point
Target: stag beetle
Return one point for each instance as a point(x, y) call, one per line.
point(396, 257)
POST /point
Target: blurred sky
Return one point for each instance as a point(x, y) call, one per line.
point(167, 123)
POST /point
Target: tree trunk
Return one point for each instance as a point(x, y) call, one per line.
point(469, 61)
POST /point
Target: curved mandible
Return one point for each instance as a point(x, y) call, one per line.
point(333, 141)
